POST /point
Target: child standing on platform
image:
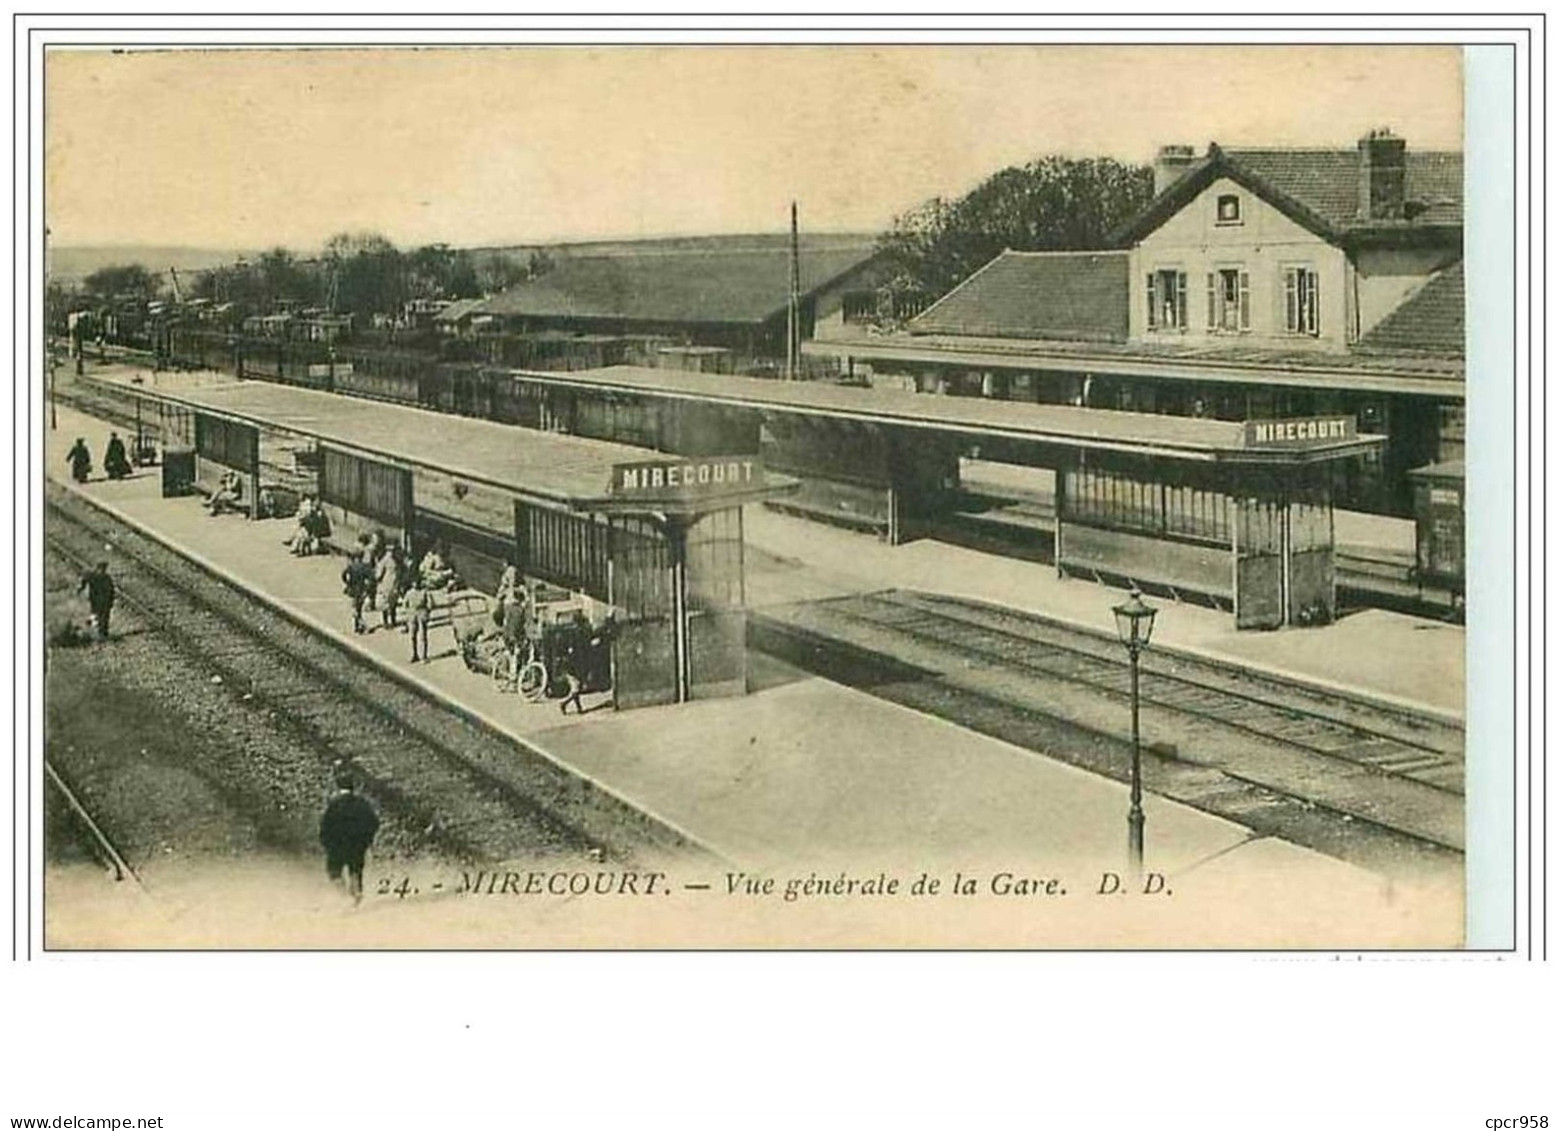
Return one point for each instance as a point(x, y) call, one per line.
point(419, 610)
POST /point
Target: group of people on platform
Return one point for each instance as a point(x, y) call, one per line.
point(313, 527)
point(382, 577)
point(116, 460)
point(574, 651)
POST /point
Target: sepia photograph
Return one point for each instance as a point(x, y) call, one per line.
point(758, 496)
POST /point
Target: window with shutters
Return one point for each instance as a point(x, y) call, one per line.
point(1228, 300)
point(1166, 300)
point(1302, 301)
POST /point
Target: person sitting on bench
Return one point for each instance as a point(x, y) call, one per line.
point(302, 541)
point(229, 490)
point(436, 572)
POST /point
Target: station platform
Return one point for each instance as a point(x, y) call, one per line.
point(804, 773)
point(1388, 656)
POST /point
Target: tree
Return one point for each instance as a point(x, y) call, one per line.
point(279, 275)
point(1052, 204)
point(127, 279)
point(496, 271)
point(440, 271)
point(428, 270)
point(539, 263)
point(369, 273)
point(463, 281)
point(59, 301)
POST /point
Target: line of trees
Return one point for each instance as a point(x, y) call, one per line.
point(360, 273)
point(364, 273)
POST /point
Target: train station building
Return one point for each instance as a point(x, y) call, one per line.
point(1257, 284)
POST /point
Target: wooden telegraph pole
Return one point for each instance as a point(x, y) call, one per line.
point(793, 310)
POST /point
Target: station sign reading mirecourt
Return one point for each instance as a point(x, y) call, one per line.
point(686, 478)
point(1299, 433)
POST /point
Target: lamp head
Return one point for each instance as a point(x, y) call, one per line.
point(1134, 621)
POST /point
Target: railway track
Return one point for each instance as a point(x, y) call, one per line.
point(478, 796)
point(110, 410)
point(1353, 778)
point(96, 839)
point(1389, 740)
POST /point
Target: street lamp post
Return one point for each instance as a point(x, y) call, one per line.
point(1134, 625)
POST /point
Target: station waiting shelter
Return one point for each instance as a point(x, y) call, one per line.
point(653, 542)
point(1235, 513)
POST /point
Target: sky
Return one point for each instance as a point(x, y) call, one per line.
point(477, 146)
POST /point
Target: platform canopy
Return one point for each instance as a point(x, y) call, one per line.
point(1065, 426)
point(1417, 374)
point(534, 465)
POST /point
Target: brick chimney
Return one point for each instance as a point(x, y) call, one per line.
point(1382, 175)
point(1172, 164)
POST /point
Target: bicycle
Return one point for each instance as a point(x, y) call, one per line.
point(527, 678)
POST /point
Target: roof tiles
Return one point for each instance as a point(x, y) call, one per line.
point(1068, 296)
point(1326, 181)
point(1432, 319)
point(717, 280)
point(1318, 188)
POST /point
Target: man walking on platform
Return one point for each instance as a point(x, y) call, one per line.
point(346, 831)
point(116, 462)
point(80, 459)
point(100, 597)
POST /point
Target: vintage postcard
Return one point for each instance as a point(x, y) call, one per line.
point(760, 496)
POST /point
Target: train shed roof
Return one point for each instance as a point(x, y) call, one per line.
point(1148, 434)
point(531, 464)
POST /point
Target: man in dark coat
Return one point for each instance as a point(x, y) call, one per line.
point(100, 596)
point(346, 831)
point(80, 460)
point(357, 581)
point(115, 461)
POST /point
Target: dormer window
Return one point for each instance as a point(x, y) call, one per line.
point(1229, 209)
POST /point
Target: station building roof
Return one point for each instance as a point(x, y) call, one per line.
point(460, 308)
point(1319, 189)
point(1067, 295)
point(1327, 181)
point(1431, 320)
point(1148, 434)
point(532, 464)
point(730, 279)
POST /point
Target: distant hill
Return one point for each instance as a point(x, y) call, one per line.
point(72, 264)
point(762, 241)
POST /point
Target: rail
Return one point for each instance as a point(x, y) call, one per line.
point(477, 792)
point(1363, 781)
point(113, 858)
